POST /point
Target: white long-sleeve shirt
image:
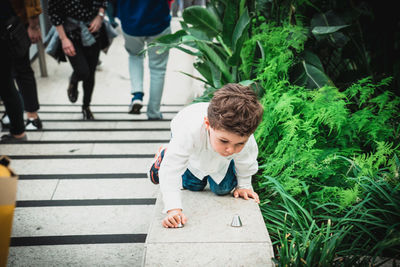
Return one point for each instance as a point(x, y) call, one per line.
point(190, 148)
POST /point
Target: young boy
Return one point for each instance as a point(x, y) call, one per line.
point(211, 142)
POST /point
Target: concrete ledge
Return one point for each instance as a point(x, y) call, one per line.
point(207, 237)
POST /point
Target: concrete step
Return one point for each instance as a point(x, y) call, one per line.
point(208, 237)
point(100, 135)
point(120, 254)
point(80, 149)
point(79, 166)
point(67, 189)
point(81, 220)
point(78, 124)
point(113, 117)
point(109, 108)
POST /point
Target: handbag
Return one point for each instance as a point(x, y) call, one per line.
point(17, 37)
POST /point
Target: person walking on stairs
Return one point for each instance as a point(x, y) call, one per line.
point(79, 23)
point(28, 12)
point(142, 22)
point(8, 93)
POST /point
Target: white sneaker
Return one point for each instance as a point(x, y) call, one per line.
point(135, 106)
point(34, 124)
point(5, 119)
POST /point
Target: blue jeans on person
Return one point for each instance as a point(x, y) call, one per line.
point(157, 64)
point(192, 183)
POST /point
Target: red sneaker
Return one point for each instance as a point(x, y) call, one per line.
point(155, 166)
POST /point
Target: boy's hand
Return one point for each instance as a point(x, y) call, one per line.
point(246, 193)
point(174, 217)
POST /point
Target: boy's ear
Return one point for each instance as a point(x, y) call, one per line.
point(207, 122)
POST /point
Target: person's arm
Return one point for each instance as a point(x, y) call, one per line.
point(173, 166)
point(57, 15)
point(246, 165)
point(67, 45)
point(33, 10)
point(34, 29)
point(95, 25)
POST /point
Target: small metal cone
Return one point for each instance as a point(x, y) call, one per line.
point(236, 222)
point(180, 225)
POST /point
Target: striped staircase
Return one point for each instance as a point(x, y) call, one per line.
point(83, 195)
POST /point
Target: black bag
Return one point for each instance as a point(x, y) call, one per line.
point(17, 37)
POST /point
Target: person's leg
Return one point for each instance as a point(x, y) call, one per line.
point(175, 8)
point(10, 97)
point(25, 79)
point(192, 183)
point(92, 57)
point(227, 184)
point(158, 66)
point(134, 45)
point(80, 71)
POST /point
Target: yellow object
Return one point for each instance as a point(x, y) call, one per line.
point(8, 190)
point(6, 218)
point(4, 172)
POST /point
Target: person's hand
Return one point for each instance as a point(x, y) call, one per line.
point(34, 33)
point(95, 25)
point(246, 193)
point(68, 47)
point(174, 217)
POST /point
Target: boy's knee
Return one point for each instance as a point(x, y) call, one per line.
point(221, 191)
point(224, 187)
point(193, 187)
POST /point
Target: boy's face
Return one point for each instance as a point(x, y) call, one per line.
point(223, 142)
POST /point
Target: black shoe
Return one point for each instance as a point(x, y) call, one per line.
point(72, 91)
point(87, 114)
point(34, 124)
point(9, 138)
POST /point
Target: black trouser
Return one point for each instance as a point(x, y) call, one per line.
point(84, 64)
point(8, 93)
point(26, 82)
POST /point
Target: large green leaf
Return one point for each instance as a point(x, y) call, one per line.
point(240, 35)
point(215, 59)
point(198, 34)
point(320, 30)
point(202, 19)
point(240, 28)
point(171, 38)
point(216, 75)
point(315, 77)
point(229, 22)
point(313, 59)
point(205, 71)
point(306, 74)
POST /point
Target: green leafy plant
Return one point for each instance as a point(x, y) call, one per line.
point(215, 35)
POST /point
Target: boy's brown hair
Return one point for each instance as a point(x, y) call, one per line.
point(235, 108)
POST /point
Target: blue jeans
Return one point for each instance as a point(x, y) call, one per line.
point(157, 64)
point(192, 183)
